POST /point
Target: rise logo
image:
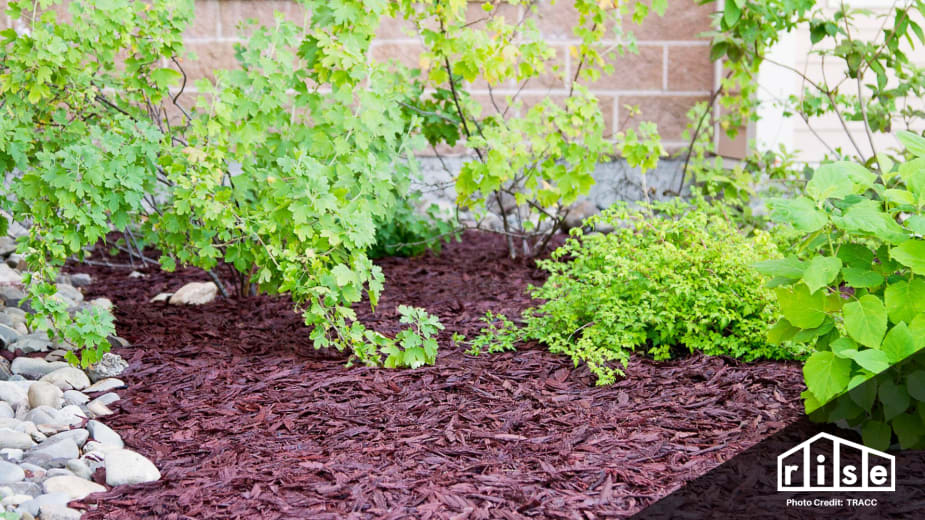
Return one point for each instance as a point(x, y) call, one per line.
point(829, 463)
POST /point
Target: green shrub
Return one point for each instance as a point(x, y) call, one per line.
point(855, 293)
point(675, 281)
point(406, 231)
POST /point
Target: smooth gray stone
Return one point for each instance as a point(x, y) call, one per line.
point(10, 473)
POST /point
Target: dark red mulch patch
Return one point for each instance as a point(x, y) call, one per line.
point(246, 420)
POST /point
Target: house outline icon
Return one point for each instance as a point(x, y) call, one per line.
point(836, 463)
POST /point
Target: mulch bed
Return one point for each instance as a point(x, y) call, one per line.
point(246, 420)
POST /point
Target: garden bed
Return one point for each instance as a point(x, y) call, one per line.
point(246, 420)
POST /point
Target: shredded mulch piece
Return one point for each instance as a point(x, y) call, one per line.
point(246, 420)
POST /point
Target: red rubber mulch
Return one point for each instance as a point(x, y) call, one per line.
point(245, 420)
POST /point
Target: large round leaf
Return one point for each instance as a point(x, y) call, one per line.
point(865, 320)
point(911, 254)
point(899, 343)
point(801, 307)
point(826, 375)
point(800, 212)
point(821, 271)
point(904, 300)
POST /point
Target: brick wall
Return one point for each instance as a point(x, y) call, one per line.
point(670, 73)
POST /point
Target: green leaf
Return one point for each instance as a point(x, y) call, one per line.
point(164, 78)
point(839, 179)
point(789, 267)
point(820, 272)
point(867, 217)
point(911, 254)
point(855, 255)
point(899, 343)
point(842, 347)
point(800, 213)
point(876, 435)
point(343, 275)
point(913, 174)
point(915, 384)
point(909, 430)
point(801, 307)
point(894, 397)
point(731, 13)
point(863, 393)
point(916, 224)
point(826, 375)
point(866, 321)
point(914, 143)
point(781, 332)
point(904, 299)
point(869, 359)
point(861, 278)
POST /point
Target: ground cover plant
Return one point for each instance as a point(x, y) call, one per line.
point(670, 277)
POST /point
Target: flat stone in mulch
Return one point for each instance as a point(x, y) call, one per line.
point(246, 420)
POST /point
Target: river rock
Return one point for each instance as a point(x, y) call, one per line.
point(98, 409)
point(9, 276)
point(8, 335)
point(78, 435)
point(74, 487)
point(127, 467)
point(194, 293)
point(12, 393)
point(7, 246)
point(10, 473)
point(81, 279)
point(102, 303)
point(31, 343)
point(104, 434)
point(6, 411)
point(59, 512)
point(79, 468)
point(10, 438)
point(110, 365)
point(5, 370)
point(47, 499)
point(105, 385)
point(75, 397)
point(42, 393)
point(11, 454)
point(34, 368)
point(72, 415)
point(11, 296)
point(161, 297)
point(69, 292)
point(108, 398)
point(68, 378)
point(64, 448)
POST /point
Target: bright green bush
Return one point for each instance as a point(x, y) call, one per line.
point(321, 158)
point(674, 281)
point(854, 291)
point(407, 231)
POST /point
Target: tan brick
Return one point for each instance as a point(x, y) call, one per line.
point(232, 14)
point(205, 20)
point(690, 68)
point(393, 28)
point(642, 71)
point(408, 54)
point(683, 20)
point(556, 18)
point(478, 18)
point(209, 57)
point(668, 112)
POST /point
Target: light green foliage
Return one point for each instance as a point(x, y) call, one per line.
point(416, 345)
point(678, 280)
point(856, 296)
point(321, 158)
point(541, 156)
point(499, 335)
